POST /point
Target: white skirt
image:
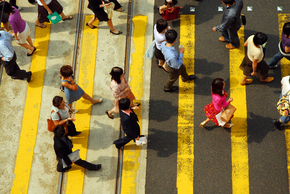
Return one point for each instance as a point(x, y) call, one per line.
point(23, 35)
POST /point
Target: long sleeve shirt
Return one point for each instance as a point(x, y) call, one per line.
point(231, 18)
point(219, 102)
point(172, 58)
point(6, 48)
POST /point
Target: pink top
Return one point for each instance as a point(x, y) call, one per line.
point(219, 101)
point(17, 23)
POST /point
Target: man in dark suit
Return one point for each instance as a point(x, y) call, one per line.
point(63, 147)
point(129, 121)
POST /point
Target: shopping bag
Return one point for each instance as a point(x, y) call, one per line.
point(150, 51)
point(218, 118)
point(141, 141)
point(54, 18)
point(228, 113)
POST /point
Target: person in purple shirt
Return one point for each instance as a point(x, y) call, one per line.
point(284, 47)
point(20, 28)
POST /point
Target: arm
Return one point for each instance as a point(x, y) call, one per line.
point(254, 66)
point(71, 86)
point(6, 54)
point(287, 49)
point(46, 7)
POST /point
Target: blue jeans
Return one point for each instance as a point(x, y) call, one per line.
point(274, 60)
point(231, 36)
point(284, 119)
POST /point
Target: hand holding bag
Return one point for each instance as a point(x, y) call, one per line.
point(51, 125)
point(228, 113)
point(54, 18)
point(170, 13)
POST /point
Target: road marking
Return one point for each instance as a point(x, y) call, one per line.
point(285, 71)
point(31, 112)
point(76, 175)
point(239, 139)
point(185, 149)
point(131, 151)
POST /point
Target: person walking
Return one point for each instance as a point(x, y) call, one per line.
point(72, 91)
point(285, 86)
point(60, 116)
point(231, 23)
point(219, 102)
point(63, 147)
point(8, 57)
point(20, 28)
point(129, 122)
point(120, 89)
point(253, 63)
point(160, 29)
point(47, 7)
point(174, 61)
point(97, 7)
point(284, 47)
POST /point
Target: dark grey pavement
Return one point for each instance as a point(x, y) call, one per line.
point(212, 145)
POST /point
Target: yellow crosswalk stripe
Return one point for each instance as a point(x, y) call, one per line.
point(239, 139)
point(285, 71)
point(131, 151)
point(75, 179)
point(31, 113)
point(185, 148)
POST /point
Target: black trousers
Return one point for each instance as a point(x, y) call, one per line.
point(12, 69)
point(123, 141)
point(79, 162)
point(71, 129)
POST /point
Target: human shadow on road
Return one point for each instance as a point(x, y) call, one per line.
point(163, 110)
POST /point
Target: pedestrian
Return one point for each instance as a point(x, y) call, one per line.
point(160, 28)
point(219, 102)
point(120, 89)
point(20, 28)
point(129, 122)
point(174, 62)
point(284, 47)
point(97, 7)
point(164, 6)
point(47, 7)
point(72, 91)
point(60, 116)
point(285, 86)
point(231, 23)
point(8, 56)
point(63, 147)
point(253, 63)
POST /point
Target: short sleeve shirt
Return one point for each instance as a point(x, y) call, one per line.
point(54, 115)
point(285, 41)
point(285, 85)
point(253, 51)
point(159, 38)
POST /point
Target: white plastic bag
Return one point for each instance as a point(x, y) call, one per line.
point(141, 141)
point(218, 118)
point(150, 51)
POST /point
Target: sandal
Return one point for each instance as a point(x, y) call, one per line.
point(41, 25)
point(107, 112)
point(67, 18)
point(87, 24)
point(29, 54)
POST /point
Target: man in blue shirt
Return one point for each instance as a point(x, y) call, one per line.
point(174, 61)
point(8, 57)
point(231, 23)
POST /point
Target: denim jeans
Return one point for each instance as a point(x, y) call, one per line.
point(274, 60)
point(231, 36)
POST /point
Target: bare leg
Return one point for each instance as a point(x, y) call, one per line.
point(110, 24)
point(6, 26)
point(93, 101)
point(42, 25)
point(30, 48)
point(245, 80)
point(64, 16)
point(90, 23)
point(204, 122)
point(30, 41)
point(111, 111)
point(160, 62)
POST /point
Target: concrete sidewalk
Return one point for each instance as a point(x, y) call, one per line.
point(42, 176)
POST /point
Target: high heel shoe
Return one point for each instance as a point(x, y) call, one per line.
point(202, 124)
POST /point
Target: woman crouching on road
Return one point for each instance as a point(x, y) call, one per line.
point(218, 102)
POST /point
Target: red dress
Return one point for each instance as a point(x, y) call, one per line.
point(212, 109)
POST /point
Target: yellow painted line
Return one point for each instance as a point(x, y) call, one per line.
point(185, 148)
point(285, 71)
point(76, 175)
point(239, 139)
point(131, 151)
point(31, 112)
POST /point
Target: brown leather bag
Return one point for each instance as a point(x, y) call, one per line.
point(51, 125)
point(228, 113)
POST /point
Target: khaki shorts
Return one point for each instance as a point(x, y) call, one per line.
point(23, 35)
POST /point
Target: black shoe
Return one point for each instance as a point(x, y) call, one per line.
point(29, 76)
point(116, 33)
point(16, 78)
point(174, 88)
point(77, 133)
point(190, 77)
point(98, 167)
point(277, 123)
point(107, 112)
point(87, 24)
point(65, 169)
point(32, 52)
